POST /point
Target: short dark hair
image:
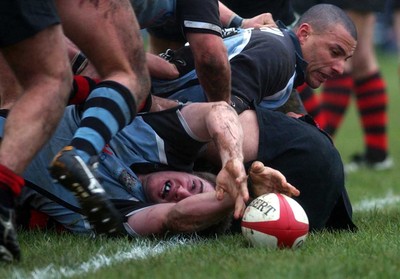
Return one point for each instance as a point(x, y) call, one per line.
point(210, 177)
point(322, 16)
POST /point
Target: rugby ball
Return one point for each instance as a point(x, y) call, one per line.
point(275, 221)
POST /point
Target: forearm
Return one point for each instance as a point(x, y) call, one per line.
point(212, 65)
point(227, 133)
point(160, 68)
point(215, 79)
point(218, 123)
point(198, 212)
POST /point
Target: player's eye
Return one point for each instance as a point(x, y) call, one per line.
point(201, 186)
point(166, 189)
point(193, 185)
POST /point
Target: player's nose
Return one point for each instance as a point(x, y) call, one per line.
point(182, 193)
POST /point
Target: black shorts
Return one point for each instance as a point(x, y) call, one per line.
point(394, 4)
point(21, 19)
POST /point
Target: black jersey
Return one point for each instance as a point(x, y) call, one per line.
point(266, 64)
point(284, 143)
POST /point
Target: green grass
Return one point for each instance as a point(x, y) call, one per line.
point(372, 252)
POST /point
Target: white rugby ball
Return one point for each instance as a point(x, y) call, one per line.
point(275, 221)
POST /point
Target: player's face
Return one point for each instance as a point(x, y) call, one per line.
point(326, 54)
point(172, 186)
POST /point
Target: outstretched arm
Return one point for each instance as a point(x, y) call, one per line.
point(192, 214)
point(218, 122)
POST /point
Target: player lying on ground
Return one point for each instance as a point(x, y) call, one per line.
point(138, 149)
point(170, 139)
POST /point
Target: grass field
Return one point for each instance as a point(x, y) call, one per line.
point(372, 252)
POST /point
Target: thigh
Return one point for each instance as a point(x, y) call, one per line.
point(10, 89)
point(111, 26)
point(40, 58)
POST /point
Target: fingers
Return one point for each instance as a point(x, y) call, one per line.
point(257, 167)
point(243, 189)
point(268, 180)
point(219, 193)
point(240, 206)
point(293, 191)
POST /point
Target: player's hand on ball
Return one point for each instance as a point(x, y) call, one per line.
point(275, 221)
point(232, 179)
point(267, 180)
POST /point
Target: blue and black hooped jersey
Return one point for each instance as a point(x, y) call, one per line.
point(152, 142)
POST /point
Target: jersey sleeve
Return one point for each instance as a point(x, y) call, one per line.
point(199, 16)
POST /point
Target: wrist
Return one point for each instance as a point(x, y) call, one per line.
point(235, 21)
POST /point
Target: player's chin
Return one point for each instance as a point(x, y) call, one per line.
point(314, 83)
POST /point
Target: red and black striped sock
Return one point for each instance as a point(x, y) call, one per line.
point(81, 88)
point(335, 98)
point(311, 103)
point(372, 106)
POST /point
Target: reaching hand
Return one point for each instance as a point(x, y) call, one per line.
point(232, 179)
point(262, 20)
point(9, 247)
point(267, 180)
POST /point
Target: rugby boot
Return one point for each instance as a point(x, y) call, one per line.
point(9, 246)
point(71, 172)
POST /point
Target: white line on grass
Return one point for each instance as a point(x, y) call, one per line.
point(140, 251)
point(378, 203)
point(145, 250)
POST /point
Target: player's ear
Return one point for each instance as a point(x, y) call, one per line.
point(303, 32)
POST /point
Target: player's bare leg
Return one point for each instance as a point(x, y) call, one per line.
point(45, 69)
point(108, 34)
point(35, 83)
